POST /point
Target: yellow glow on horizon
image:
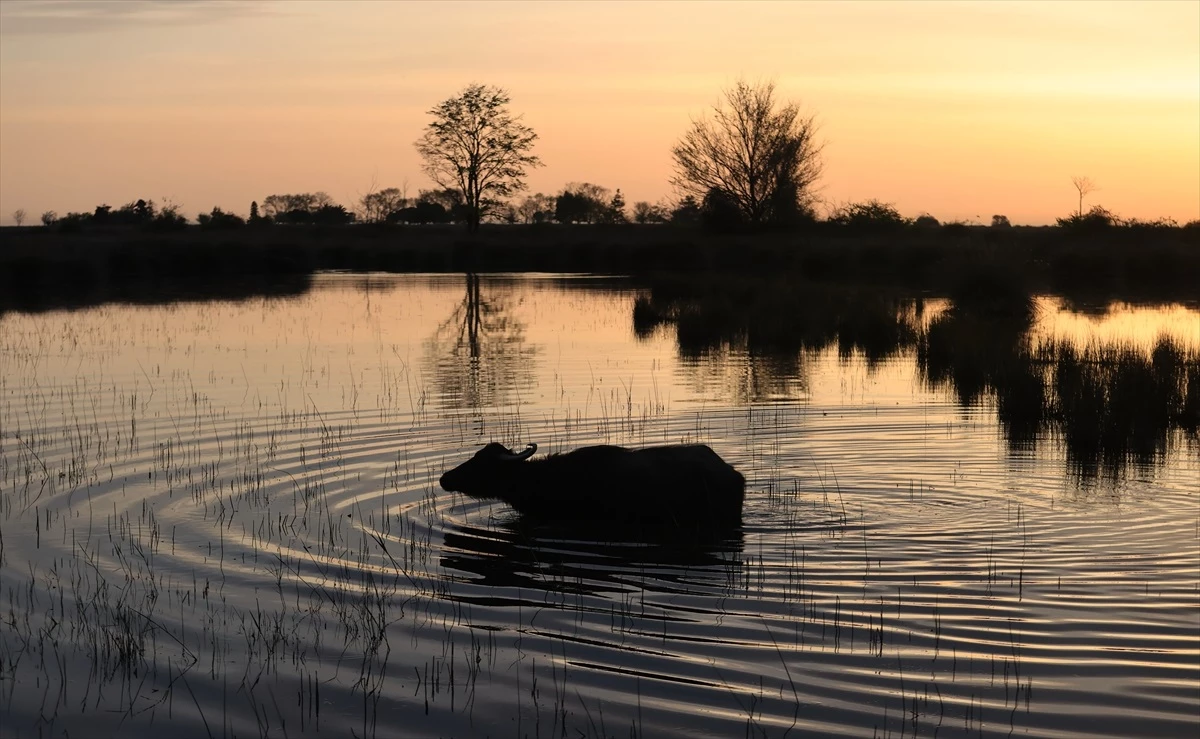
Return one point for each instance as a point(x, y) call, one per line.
point(961, 110)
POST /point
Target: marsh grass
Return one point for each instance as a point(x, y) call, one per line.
point(181, 545)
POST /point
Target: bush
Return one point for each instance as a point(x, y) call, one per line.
point(1097, 218)
point(219, 219)
point(871, 215)
point(169, 219)
point(73, 222)
point(1158, 224)
point(644, 212)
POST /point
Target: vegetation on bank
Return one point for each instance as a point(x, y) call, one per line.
point(38, 266)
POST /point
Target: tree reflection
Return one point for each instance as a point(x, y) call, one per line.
point(1109, 405)
point(479, 356)
point(751, 341)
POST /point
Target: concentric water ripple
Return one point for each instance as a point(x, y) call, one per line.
point(186, 541)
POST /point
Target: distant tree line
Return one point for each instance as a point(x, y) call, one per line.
point(142, 212)
point(577, 203)
point(752, 164)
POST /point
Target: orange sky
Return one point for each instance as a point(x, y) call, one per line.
point(962, 110)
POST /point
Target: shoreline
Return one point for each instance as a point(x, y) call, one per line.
point(41, 269)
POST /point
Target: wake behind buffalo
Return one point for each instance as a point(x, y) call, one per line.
point(669, 487)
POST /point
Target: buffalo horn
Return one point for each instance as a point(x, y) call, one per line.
point(518, 456)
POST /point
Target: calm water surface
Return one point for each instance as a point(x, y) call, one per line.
point(224, 518)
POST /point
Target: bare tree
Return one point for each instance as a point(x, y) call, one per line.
point(644, 212)
point(49, 218)
point(375, 207)
point(1084, 185)
point(19, 216)
point(762, 157)
point(536, 208)
point(275, 206)
point(474, 145)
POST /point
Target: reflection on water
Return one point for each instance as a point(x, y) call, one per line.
point(65, 293)
point(478, 355)
point(1107, 400)
point(963, 518)
point(578, 558)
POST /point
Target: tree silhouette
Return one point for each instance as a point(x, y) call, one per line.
point(476, 146)
point(687, 211)
point(537, 208)
point(292, 208)
point(219, 219)
point(644, 212)
point(19, 216)
point(762, 157)
point(375, 207)
point(1084, 185)
point(583, 202)
point(616, 209)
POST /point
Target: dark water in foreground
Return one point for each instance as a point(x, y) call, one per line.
point(223, 518)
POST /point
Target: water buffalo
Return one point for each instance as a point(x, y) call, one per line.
point(659, 485)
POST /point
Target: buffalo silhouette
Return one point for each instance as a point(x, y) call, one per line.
point(666, 485)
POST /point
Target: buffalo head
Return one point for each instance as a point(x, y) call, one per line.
point(481, 475)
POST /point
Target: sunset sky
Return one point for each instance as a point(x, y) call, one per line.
point(961, 110)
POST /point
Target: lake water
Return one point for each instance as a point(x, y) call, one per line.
point(223, 518)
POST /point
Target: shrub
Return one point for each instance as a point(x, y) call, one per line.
point(219, 219)
point(1095, 219)
point(871, 215)
point(169, 219)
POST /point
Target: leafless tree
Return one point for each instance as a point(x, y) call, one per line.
point(276, 205)
point(536, 208)
point(644, 212)
point(1084, 185)
point(375, 207)
point(762, 156)
point(598, 193)
point(49, 218)
point(19, 216)
point(474, 145)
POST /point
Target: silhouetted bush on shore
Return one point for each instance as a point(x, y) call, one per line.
point(1133, 264)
